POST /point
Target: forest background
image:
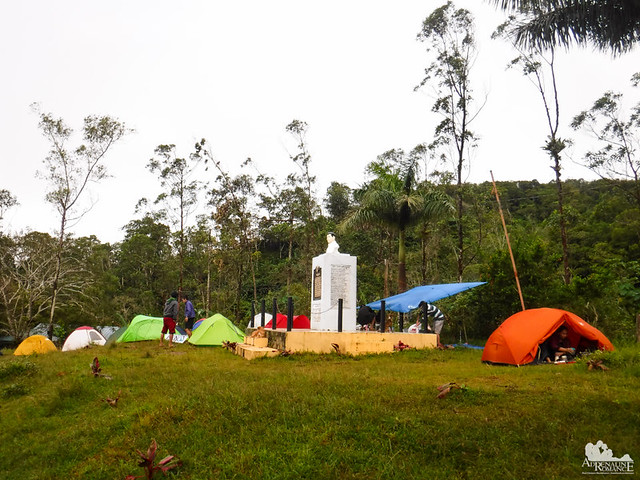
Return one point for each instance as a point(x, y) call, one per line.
point(230, 239)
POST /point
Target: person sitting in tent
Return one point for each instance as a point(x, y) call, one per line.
point(170, 318)
point(557, 345)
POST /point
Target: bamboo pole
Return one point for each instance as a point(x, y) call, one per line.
point(504, 225)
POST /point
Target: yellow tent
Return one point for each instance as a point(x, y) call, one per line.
point(35, 344)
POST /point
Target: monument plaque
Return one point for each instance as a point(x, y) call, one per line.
point(317, 283)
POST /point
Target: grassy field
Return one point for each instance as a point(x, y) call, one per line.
point(310, 416)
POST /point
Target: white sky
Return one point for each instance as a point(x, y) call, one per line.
point(236, 73)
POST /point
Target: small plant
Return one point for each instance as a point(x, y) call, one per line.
point(231, 346)
point(14, 390)
point(448, 387)
point(336, 347)
point(148, 463)
point(401, 347)
point(96, 370)
point(596, 365)
point(113, 402)
point(18, 368)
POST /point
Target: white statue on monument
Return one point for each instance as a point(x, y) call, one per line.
point(332, 245)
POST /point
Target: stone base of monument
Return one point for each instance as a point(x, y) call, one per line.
point(351, 343)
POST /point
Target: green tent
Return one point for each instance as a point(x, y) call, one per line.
point(215, 330)
point(143, 327)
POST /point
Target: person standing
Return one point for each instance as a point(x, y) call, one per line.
point(189, 314)
point(170, 317)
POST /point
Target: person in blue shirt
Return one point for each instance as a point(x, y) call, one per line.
point(189, 314)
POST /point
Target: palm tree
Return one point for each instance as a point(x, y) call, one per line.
point(608, 24)
point(392, 201)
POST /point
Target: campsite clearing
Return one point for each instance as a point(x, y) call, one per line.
point(311, 416)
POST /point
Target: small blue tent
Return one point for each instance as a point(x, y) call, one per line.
point(410, 300)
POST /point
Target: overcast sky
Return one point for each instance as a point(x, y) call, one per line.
point(236, 73)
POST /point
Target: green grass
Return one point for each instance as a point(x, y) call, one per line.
point(311, 416)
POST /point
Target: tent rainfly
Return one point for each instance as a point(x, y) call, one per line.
point(517, 339)
point(35, 344)
point(143, 327)
point(215, 330)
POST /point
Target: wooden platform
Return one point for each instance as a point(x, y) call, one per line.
point(352, 343)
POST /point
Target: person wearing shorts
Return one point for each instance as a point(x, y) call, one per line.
point(189, 314)
point(170, 317)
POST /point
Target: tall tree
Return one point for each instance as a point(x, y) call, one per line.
point(179, 191)
point(535, 64)
point(69, 173)
point(618, 158)
point(449, 35)
point(391, 200)
point(7, 200)
point(608, 24)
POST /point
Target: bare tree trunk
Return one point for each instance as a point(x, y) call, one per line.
point(56, 277)
point(563, 229)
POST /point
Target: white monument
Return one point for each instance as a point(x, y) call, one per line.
point(333, 277)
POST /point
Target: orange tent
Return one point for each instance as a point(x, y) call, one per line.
point(516, 341)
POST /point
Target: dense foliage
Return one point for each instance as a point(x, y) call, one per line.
point(226, 267)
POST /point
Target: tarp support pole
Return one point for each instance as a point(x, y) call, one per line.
point(289, 313)
point(275, 314)
point(340, 302)
point(253, 313)
point(423, 327)
point(383, 315)
point(401, 322)
point(262, 310)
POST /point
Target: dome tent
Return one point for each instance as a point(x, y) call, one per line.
point(35, 344)
point(215, 330)
point(517, 340)
point(143, 327)
point(83, 337)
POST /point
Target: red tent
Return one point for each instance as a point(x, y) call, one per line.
point(299, 322)
point(516, 341)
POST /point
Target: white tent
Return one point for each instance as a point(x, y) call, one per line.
point(83, 337)
point(257, 319)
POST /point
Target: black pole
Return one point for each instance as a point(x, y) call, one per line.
point(423, 329)
point(262, 310)
point(383, 314)
point(253, 313)
point(289, 314)
point(401, 322)
point(340, 301)
point(275, 314)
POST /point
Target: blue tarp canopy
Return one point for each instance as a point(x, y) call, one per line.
point(410, 300)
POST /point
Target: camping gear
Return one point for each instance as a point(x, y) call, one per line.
point(116, 335)
point(35, 344)
point(197, 324)
point(143, 327)
point(215, 330)
point(83, 337)
point(517, 340)
point(411, 299)
point(299, 322)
